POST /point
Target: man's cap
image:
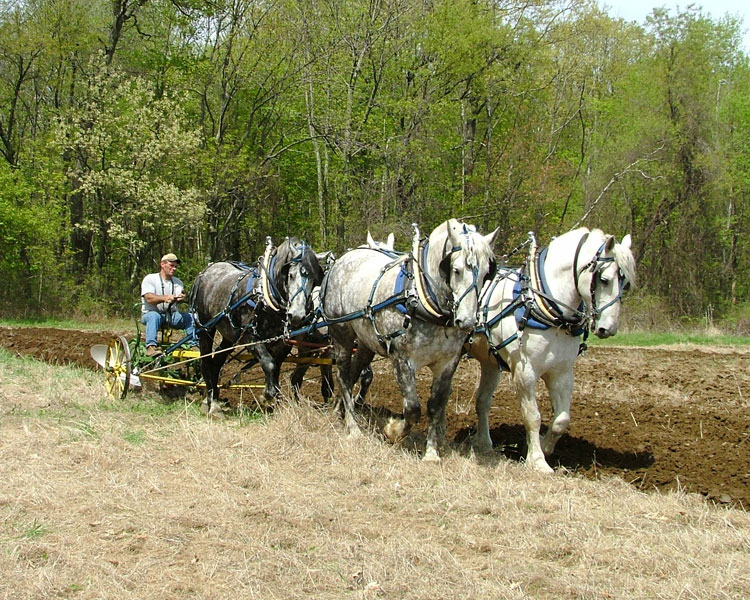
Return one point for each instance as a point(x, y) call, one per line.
point(170, 258)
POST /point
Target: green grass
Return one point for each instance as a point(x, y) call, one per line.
point(659, 338)
point(113, 324)
point(34, 531)
point(135, 437)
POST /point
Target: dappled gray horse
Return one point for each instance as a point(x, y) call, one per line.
point(416, 308)
point(532, 321)
point(251, 304)
point(315, 342)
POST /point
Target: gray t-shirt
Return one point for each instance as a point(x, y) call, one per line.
point(154, 284)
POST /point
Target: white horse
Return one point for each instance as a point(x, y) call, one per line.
point(531, 323)
point(416, 308)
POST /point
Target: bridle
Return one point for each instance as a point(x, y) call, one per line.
point(303, 288)
point(596, 265)
point(425, 286)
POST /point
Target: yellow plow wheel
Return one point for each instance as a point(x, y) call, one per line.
point(117, 368)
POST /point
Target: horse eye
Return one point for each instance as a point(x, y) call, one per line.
point(604, 280)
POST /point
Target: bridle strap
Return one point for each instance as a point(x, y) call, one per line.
point(595, 311)
point(302, 289)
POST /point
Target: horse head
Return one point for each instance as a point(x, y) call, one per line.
point(460, 259)
point(296, 272)
point(604, 278)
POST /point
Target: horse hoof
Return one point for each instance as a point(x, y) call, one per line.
point(431, 456)
point(215, 412)
point(540, 466)
point(481, 446)
point(395, 430)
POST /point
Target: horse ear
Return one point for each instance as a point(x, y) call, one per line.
point(371, 242)
point(323, 256)
point(626, 242)
point(490, 238)
point(391, 240)
point(609, 243)
point(454, 227)
point(454, 230)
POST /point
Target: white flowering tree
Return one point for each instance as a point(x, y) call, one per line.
point(128, 158)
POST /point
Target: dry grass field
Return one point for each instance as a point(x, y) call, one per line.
point(146, 499)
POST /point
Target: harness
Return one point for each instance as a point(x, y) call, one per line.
point(271, 294)
point(534, 306)
point(403, 296)
point(251, 296)
point(414, 293)
point(259, 289)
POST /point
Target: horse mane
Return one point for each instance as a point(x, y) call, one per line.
point(312, 264)
point(476, 254)
point(285, 253)
point(626, 261)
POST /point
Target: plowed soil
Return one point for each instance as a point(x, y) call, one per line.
point(659, 418)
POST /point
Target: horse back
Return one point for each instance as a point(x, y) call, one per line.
point(351, 278)
point(218, 287)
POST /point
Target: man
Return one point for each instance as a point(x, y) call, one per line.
point(160, 294)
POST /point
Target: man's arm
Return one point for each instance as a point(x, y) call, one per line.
point(152, 298)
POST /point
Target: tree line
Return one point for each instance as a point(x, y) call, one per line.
point(130, 128)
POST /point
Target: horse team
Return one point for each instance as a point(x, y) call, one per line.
point(428, 307)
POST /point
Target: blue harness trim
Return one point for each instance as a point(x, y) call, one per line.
point(399, 287)
point(249, 287)
point(399, 299)
point(533, 318)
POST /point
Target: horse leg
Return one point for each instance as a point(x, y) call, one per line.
point(365, 380)
point(488, 378)
point(326, 382)
point(210, 369)
point(397, 429)
point(343, 355)
point(271, 366)
point(560, 387)
point(524, 383)
point(360, 370)
point(439, 394)
point(296, 379)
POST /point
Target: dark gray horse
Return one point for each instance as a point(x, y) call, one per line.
point(251, 304)
point(416, 308)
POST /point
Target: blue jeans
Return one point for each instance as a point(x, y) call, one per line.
point(154, 320)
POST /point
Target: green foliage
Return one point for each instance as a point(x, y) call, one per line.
point(30, 227)
point(202, 128)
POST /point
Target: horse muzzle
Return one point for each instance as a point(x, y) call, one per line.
point(465, 324)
